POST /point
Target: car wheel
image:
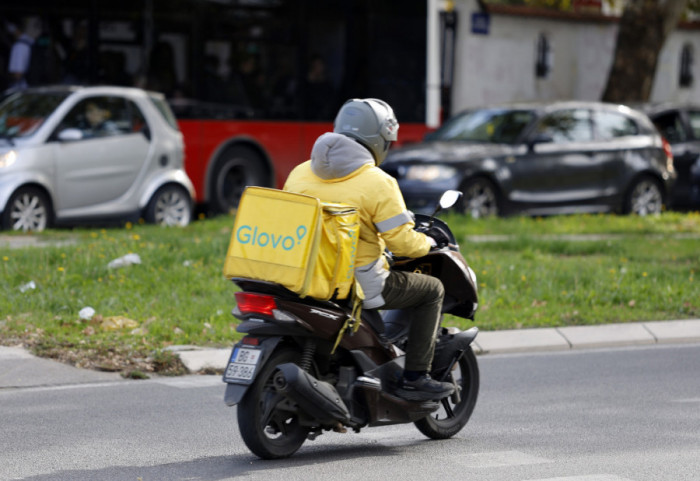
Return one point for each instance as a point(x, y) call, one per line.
point(480, 199)
point(644, 197)
point(28, 209)
point(171, 205)
point(236, 168)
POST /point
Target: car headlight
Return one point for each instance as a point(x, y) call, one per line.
point(8, 158)
point(429, 173)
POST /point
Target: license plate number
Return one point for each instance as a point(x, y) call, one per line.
point(243, 364)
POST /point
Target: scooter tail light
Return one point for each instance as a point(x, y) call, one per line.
point(260, 304)
point(250, 341)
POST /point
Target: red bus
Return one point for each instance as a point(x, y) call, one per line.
point(253, 83)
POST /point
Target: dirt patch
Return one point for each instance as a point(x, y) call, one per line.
point(131, 361)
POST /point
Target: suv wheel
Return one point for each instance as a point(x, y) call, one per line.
point(644, 198)
point(481, 199)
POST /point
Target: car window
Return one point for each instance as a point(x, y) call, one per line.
point(164, 109)
point(487, 125)
point(138, 121)
point(23, 113)
point(610, 125)
point(564, 126)
point(694, 119)
point(100, 117)
point(670, 126)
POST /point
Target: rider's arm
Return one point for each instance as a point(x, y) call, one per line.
point(395, 224)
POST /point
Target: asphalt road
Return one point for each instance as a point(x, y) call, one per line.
point(590, 415)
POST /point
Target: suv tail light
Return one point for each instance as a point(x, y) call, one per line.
point(669, 154)
point(260, 304)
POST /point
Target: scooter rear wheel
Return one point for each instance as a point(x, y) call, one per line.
point(268, 431)
point(451, 417)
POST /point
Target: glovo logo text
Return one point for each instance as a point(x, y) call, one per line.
point(252, 235)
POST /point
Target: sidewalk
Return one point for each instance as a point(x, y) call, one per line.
point(522, 340)
point(19, 368)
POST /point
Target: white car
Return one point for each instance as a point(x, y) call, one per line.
point(74, 154)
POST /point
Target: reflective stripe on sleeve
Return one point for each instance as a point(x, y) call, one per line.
point(394, 222)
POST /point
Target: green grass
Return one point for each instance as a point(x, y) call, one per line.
point(177, 295)
point(582, 270)
point(533, 272)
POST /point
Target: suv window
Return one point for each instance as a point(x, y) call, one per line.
point(671, 127)
point(564, 126)
point(612, 124)
point(487, 125)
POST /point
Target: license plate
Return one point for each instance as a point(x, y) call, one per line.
point(243, 364)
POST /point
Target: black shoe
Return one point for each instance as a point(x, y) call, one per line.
point(424, 389)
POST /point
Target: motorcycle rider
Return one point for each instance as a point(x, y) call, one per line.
point(344, 168)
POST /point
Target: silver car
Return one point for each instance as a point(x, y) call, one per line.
point(75, 154)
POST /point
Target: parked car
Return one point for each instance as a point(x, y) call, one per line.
point(680, 125)
point(541, 159)
point(76, 154)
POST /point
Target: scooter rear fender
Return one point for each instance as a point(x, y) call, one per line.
point(235, 388)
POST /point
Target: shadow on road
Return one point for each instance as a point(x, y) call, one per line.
point(227, 467)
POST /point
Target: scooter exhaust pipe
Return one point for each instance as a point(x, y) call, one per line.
point(317, 399)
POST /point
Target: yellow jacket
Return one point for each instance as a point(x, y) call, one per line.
point(341, 170)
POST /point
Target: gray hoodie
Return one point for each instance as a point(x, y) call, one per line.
point(334, 156)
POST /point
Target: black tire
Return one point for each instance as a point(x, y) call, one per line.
point(236, 168)
point(28, 209)
point(481, 198)
point(171, 205)
point(451, 417)
point(644, 197)
point(278, 434)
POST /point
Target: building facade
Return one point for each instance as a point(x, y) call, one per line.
point(511, 54)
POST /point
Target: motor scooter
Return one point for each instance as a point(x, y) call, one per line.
point(306, 366)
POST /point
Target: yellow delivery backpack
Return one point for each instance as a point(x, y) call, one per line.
point(295, 240)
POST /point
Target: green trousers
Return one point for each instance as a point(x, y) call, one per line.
point(423, 295)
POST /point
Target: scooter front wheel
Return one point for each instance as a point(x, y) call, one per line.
point(268, 431)
point(452, 416)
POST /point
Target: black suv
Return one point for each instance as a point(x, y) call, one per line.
point(680, 125)
point(541, 159)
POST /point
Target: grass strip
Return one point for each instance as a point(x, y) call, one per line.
point(533, 272)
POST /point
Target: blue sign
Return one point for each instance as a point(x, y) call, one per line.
point(480, 23)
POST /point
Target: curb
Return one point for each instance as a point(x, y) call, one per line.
point(197, 359)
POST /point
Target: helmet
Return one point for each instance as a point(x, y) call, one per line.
point(369, 121)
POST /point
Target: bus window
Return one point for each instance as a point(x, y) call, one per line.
point(251, 83)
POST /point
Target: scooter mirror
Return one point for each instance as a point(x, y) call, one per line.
point(449, 198)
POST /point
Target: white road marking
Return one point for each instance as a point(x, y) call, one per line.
point(63, 387)
point(687, 401)
point(189, 382)
point(499, 459)
point(588, 477)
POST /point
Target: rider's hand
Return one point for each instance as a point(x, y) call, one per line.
point(438, 236)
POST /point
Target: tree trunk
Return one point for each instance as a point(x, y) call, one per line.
point(643, 29)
